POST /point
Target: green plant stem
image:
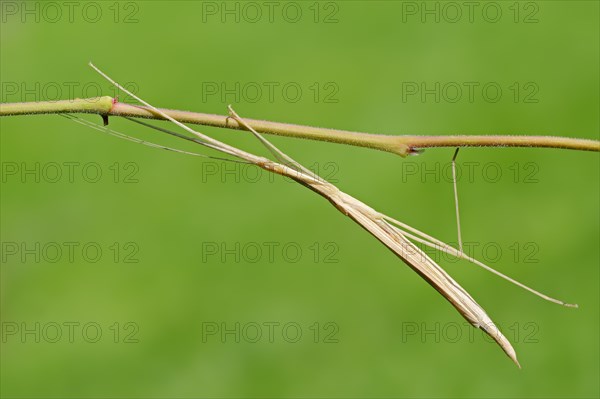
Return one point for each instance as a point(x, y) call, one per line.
point(401, 145)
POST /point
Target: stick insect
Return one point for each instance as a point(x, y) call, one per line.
point(392, 233)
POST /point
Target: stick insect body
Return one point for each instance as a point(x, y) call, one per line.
point(393, 234)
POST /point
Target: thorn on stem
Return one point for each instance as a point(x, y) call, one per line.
point(455, 154)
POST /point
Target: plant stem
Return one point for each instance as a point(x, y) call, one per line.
point(402, 145)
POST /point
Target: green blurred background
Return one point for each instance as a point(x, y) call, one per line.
point(391, 334)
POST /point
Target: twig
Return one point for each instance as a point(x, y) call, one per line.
point(402, 145)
